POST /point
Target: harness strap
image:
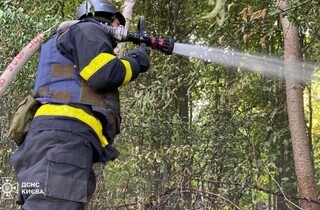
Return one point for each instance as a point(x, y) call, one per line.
point(69, 111)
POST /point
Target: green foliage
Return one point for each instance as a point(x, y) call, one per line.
point(312, 111)
point(20, 22)
point(194, 134)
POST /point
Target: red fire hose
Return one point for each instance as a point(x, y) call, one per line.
point(18, 62)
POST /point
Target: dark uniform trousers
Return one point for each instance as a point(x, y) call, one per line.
point(54, 165)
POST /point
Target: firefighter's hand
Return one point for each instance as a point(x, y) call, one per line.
point(144, 49)
point(142, 57)
point(145, 58)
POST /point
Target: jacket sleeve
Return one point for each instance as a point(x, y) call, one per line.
point(89, 46)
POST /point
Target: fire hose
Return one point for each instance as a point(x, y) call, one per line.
point(18, 62)
point(120, 34)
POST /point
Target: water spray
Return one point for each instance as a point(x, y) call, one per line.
point(298, 71)
point(269, 66)
point(266, 65)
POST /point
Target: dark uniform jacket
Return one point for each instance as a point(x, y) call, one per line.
point(85, 73)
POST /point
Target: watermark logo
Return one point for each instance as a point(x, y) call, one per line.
point(31, 188)
point(7, 188)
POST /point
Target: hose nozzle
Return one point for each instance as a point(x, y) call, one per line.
point(121, 34)
point(164, 45)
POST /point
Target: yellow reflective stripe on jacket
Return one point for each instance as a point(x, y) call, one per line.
point(128, 75)
point(97, 63)
point(69, 111)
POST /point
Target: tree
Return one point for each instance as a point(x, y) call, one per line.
point(294, 91)
point(195, 135)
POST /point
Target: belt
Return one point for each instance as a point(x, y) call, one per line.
point(69, 111)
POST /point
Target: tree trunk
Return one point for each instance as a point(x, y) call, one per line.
point(301, 150)
point(127, 11)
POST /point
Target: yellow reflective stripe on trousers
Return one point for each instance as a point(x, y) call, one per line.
point(69, 111)
point(128, 75)
point(97, 63)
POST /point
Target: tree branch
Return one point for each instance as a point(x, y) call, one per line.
point(256, 187)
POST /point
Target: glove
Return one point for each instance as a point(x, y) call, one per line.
point(145, 49)
point(141, 55)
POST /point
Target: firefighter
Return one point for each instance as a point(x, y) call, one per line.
point(77, 83)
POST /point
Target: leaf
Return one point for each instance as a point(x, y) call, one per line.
point(263, 41)
point(229, 6)
point(244, 14)
point(246, 37)
point(218, 6)
point(260, 14)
